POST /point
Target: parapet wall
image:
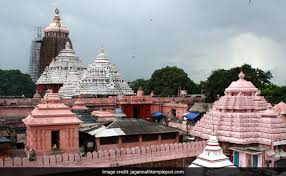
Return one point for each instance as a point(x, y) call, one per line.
point(112, 158)
point(17, 107)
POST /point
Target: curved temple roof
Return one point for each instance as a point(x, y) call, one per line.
point(61, 66)
point(51, 111)
point(56, 25)
point(103, 78)
point(242, 116)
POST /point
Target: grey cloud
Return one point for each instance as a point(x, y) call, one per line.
point(143, 35)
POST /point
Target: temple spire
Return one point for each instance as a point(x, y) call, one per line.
point(241, 75)
point(212, 156)
point(101, 48)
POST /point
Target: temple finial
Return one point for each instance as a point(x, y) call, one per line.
point(241, 75)
point(57, 11)
point(102, 48)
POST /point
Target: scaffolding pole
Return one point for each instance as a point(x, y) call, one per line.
point(35, 54)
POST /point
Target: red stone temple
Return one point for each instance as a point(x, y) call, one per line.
point(51, 127)
point(56, 36)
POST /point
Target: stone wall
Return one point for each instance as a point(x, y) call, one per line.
point(112, 158)
point(6, 112)
point(20, 107)
point(17, 107)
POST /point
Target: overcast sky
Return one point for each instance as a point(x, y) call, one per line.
point(140, 36)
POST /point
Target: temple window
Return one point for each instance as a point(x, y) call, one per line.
point(108, 140)
point(55, 139)
point(167, 136)
point(150, 137)
point(130, 139)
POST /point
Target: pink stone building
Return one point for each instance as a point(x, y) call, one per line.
point(251, 133)
point(51, 127)
point(103, 116)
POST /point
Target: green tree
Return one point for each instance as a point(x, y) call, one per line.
point(15, 83)
point(220, 79)
point(166, 81)
point(140, 83)
point(274, 94)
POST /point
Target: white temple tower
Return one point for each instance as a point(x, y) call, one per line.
point(56, 74)
point(102, 78)
point(212, 156)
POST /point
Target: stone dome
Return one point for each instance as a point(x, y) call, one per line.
point(102, 58)
point(241, 85)
point(56, 25)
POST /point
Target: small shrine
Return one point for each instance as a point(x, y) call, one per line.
point(140, 92)
point(212, 156)
point(51, 127)
point(103, 116)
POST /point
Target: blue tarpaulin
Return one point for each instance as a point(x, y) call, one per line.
point(155, 114)
point(158, 114)
point(192, 115)
point(3, 139)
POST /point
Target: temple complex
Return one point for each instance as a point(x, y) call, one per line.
point(212, 156)
point(88, 116)
point(56, 36)
point(102, 78)
point(51, 127)
point(58, 71)
point(249, 130)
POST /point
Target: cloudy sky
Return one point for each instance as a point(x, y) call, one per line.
point(143, 35)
